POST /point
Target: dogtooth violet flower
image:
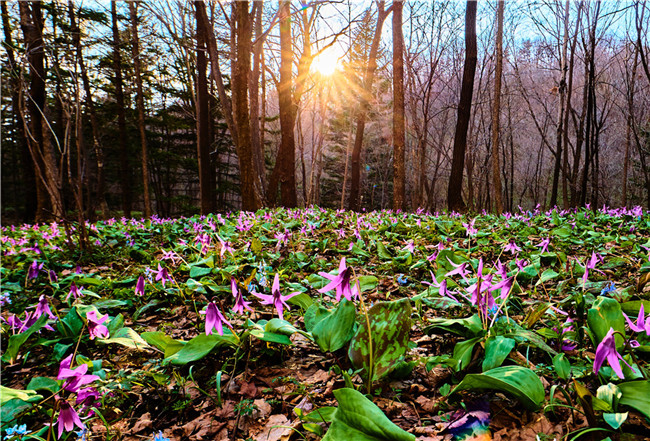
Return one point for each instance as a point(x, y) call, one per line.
point(75, 292)
point(340, 282)
point(512, 247)
point(544, 245)
point(68, 418)
point(214, 319)
point(34, 269)
point(275, 298)
point(162, 275)
point(606, 350)
point(139, 286)
point(74, 378)
point(642, 322)
point(240, 303)
point(95, 325)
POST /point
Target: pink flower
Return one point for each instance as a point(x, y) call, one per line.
point(341, 283)
point(512, 247)
point(240, 303)
point(214, 319)
point(139, 286)
point(95, 326)
point(276, 299)
point(607, 350)
point(68, 418)
point(74, 292)
point(641, 324)
point(74, 378)
point(34, 269)
point(162, 275)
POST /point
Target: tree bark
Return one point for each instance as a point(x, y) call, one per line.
point(496, 107)
point(135, 48)
point(368, 77)
point(454, 190)
point(126, 181)
point(207, 180)
point(287, 152)
point(399, 173)
point(40, 147)
point(29, 177)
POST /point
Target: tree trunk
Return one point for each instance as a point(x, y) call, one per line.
point(207, 180)
point(368, 77)
point(399, 173)
point(496, 106)
point(29, 177)
point(286, 155)
point(135, 50)
point(454, 190)
point(40, 147)
point(239, 79)
point(630, 120)
point(100, 193)
point(561, 111)
point(126, 181)
point(254, 94)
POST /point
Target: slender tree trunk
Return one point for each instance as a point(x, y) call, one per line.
point(454, 190)
point(100, 193)
point(561, 109)
point(254, 94)
point(41, 151)
point(135, 50)
point(628, 133)
point(126, 181)
point(368, 78)
point(29, 192)
point(496, 107)
point(207, 180)
point(241, 70)
point(286, 155)
point(399, 172)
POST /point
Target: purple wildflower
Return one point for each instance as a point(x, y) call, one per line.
point(34, 269)
point(74, 292)
point(139, 286)
point(607, 350)
point(74, 378)
point(544, 245)
point(275, 298)
point(512, 247)
point(95, 326)
point(162, 275)
point(240, 303)
point(641, 324)
point(68, 418)
point(214, 319)
point(341, 283)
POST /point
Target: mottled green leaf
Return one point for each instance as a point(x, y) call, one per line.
point(17, 340)
point(636, 394)
point(496, 350)
point(605, 314)
point(335, 330)
point(378, 349)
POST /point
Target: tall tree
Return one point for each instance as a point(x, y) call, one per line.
point(454, 190)
point(496, 109)
point(368, 78)
point(49, 182)
point(207, 178)
point(139, 100)
point(90, 105)
point(399, 173)
point(29, 195)
point(126, 181)
point(287, 152)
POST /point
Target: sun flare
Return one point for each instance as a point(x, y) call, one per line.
point(326, 63)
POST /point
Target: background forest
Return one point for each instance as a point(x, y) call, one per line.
point(177, 107)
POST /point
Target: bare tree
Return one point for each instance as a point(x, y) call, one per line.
point(496, 108)
point(399, 173)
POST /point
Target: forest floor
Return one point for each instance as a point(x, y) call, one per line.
point(312, 323)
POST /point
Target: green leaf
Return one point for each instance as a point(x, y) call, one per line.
point(71, 325)
point(562, 366)
point(518, 381)
point(314, 314)
point(12, 408)
point(463, 353)
point(636, 394)
point(16, 341)
point(321, 415)
point(334, 331)
point(116, 324)
point(379, 348)
point(199, 347)
point(278, 326)
point(605, 314)
point(28, 396)
point(163, 342)
point(368, 283)
point(44, 383)
point(199, 271)
point(302, 300)
point(382, 251)
point(547, 275)
point(359, 419)
point(615, 420)
point(466, 327)
point(126, 337)
point(496, 350)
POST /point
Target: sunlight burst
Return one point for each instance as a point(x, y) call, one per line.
point(326, 63)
